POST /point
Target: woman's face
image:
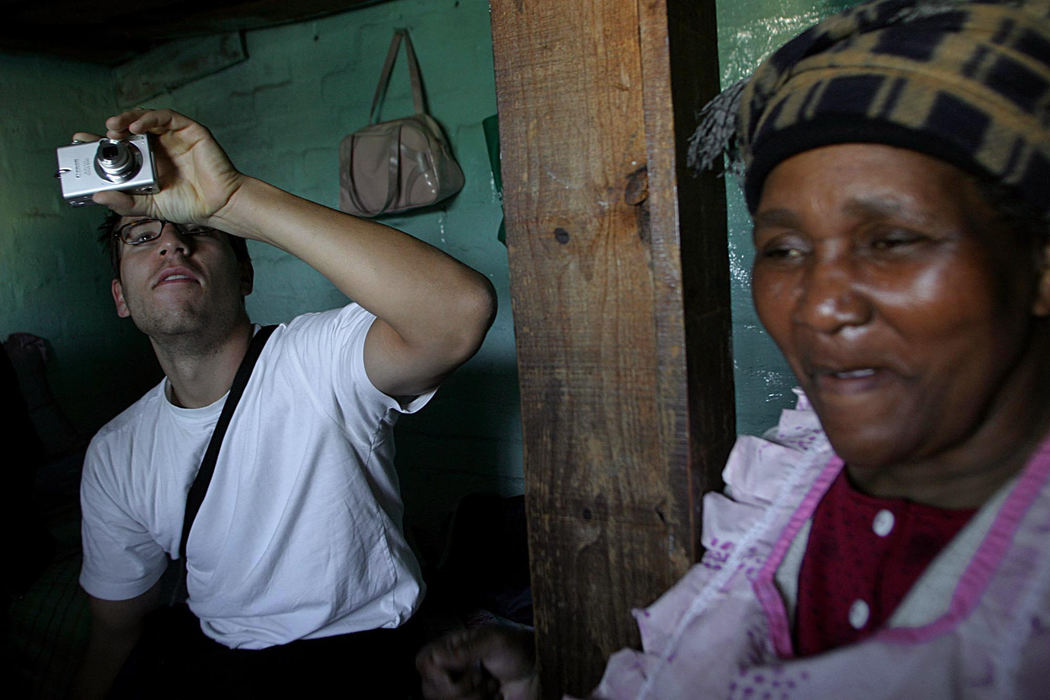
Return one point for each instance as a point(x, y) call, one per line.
point(897, 296)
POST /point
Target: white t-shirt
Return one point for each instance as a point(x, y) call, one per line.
point(299, 535)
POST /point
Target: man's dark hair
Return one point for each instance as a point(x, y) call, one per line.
point(112, 247)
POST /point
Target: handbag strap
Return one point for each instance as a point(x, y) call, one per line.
point(413, 74)
point(200, 484)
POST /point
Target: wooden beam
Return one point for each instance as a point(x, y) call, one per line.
point(623, 350)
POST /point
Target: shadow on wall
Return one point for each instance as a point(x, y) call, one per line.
point(447, 451)
point(126, 377)
point(45, 612)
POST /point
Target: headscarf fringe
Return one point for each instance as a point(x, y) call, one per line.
point(716, 133)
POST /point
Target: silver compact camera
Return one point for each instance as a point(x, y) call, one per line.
point(126, 165)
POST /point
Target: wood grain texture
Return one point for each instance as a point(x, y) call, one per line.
point(623, 426)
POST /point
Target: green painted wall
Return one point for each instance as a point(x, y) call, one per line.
point(54, 282)
point(280, 115)
point(747, 33)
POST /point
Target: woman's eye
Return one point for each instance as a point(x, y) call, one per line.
point(781, 252)
point(893, 239)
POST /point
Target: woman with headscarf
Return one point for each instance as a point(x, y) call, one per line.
point(890, 537)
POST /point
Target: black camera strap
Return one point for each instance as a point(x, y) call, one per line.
point(200, 484)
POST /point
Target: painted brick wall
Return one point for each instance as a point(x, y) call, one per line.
point(54, 282)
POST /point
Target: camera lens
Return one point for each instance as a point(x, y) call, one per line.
point(117, 161)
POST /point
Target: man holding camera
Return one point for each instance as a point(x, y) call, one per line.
point(296, 564)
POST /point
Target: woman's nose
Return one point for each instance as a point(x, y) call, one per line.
point(831, 298)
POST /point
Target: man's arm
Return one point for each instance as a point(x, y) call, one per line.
point(433, 311)
point(116, 626)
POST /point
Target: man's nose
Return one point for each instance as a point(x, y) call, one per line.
point(831, 297)
point(171, 239)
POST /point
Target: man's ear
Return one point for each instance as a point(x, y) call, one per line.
point(118, 299)
point(247, 277)
point(1041, 305)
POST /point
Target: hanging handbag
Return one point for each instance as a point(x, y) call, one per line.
point(397, 165)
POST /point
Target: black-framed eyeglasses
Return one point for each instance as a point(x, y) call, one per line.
point(146, 230)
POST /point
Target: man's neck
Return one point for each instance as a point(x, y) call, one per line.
point(200, 371)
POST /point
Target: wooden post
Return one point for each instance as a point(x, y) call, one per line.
point(619, 284)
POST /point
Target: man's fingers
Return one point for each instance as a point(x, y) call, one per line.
point(123, 204)
point(442, 683)
point(135, 121)
point(450, 674)
point(477, 663)
point(441, 656)
point(85, 137)
point(139, 121)
point(142, 121)
point(117, 126)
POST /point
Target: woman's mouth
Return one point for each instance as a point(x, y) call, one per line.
point(848, 381)
point(854, 373)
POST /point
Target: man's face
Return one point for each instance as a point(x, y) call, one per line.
point(178, 284)
point(896, 295)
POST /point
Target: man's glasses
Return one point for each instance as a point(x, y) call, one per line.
point(146, 230)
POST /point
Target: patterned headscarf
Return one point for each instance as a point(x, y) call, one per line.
point(964, 81)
